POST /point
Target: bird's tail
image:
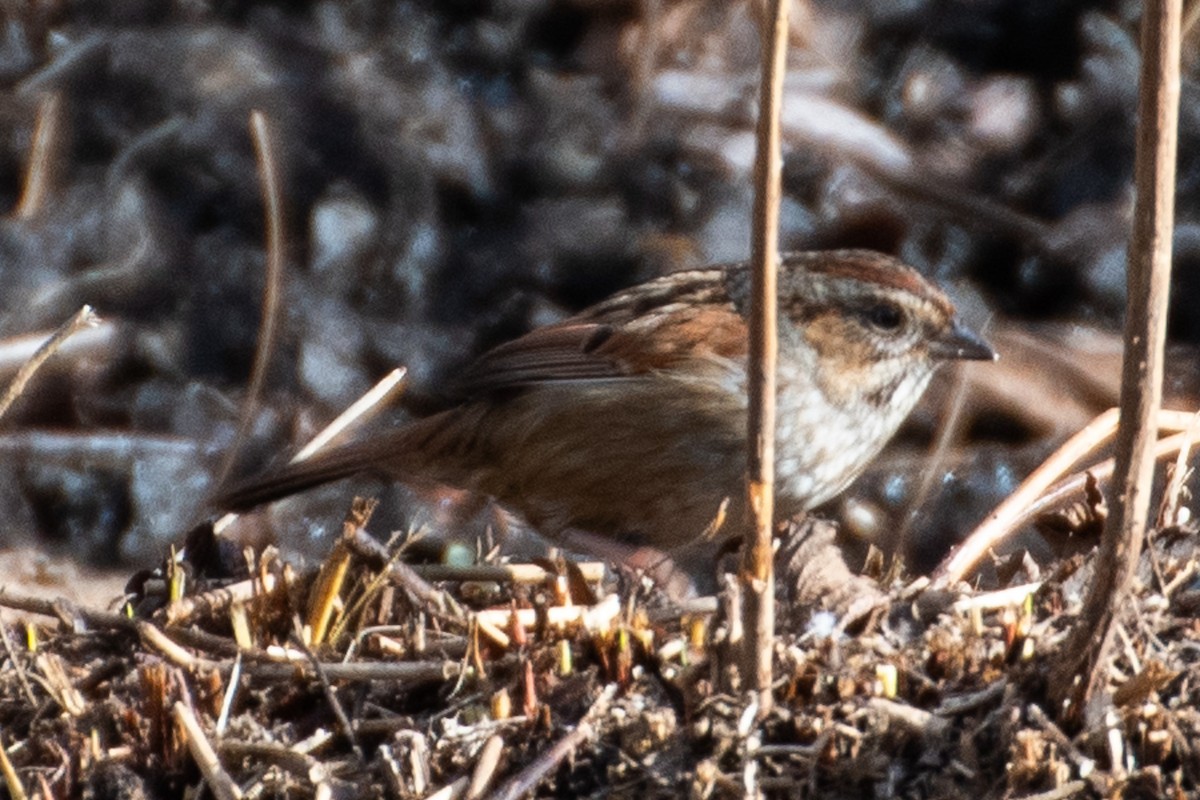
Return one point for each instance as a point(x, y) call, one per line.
point(397, 453)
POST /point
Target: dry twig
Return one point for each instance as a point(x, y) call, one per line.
point(95, 342)
point(361, 410)
point(964, 558)
point(1169, 511)
point(215, 776)
point(268, 175)
point(757, 572)
point(84, 318)
point(1084, 654)
point(66, 612)
point(358, 412)
point(1042, 491)
point(525, 781)
point(287, 758)
point(41, 156)
point(11, 780)
point(331, 697)
point(485, 766)
point(529, 574)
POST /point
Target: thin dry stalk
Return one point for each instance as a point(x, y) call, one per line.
point(55, 679)
point(485, 766)
point(992, 531)
point(989, 532)
point(268, 176)
point(17, 666)
point(948, 430)
point(229, 695)
point(757, 573)
point(528, 574)
point(41, 156)
point(599, 618)
point(11, 780)
point(218, 601)
point(525, 781)
point(96, 342)
point(277, 663)
point(286, 758)
point(215, 776)
point(1169, 512)
point(358, 412)
point(430, 597)
point(331, 697)
point(66, 612)
point(84, 318)
point(1084, 654)
point(153, 639)
point(400, 672)
point(1002, 598)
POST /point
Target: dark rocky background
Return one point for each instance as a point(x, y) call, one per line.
point(458, 172)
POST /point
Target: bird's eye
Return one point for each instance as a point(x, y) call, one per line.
point(885, 317)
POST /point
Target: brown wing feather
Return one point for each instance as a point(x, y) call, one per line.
point(597, 350)
point(677, 335)
point(555, 353)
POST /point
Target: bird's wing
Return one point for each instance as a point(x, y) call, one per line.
point(609, 347)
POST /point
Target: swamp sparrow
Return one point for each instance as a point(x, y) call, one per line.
point(628, 420)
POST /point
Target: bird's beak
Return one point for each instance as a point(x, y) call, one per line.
point(960, 342)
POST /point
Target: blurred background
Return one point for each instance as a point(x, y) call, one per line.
point(458, 171)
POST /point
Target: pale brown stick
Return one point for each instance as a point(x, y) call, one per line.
point(12, 781)
point(1085, 652)
point(215, 776)
point(1042, 491)
point(84, 318)
point(486, 765)
point(592, 571)
point(757, 572)
point(218, 601)
point(525, 781)
point(1070, 487)
point(268, 177)
point(964, 558)
point(948, 429)
point(1169, 512)
point(356, 413)
point(41, 156)
point(99, 341)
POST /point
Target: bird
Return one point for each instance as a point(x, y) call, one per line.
point(627, 421)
